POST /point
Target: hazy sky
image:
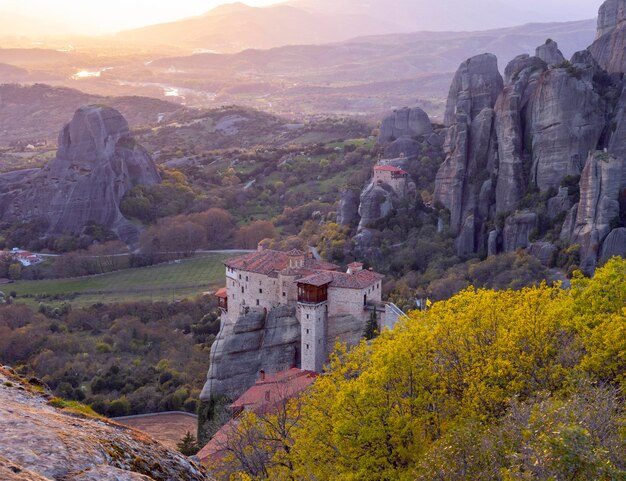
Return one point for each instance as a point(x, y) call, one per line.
point(108, 16)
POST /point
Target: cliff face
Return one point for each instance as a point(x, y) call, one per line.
point(97, 162)
point(609, 48)
point(513, 145)
point(43, 443)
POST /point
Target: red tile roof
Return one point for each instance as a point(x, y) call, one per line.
point(267, 394)
point(390, 168)
point(223, 293)
point(356, 280)
point(264, 396)
point(270, 262)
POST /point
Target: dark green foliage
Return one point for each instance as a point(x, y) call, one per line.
point(188, 445)
point(371, 327)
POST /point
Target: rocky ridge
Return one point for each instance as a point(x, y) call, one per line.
point(516, 147)
point(97, 162)
point(41, 442)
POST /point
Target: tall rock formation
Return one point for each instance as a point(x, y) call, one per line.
point(609, 48)
point(602, 181)
point(97, 162)
point(463, 184)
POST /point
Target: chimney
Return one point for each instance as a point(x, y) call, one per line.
point(260, 247)
point(261, 375)
point(355, 267)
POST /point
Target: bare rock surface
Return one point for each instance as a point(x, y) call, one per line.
point(517, 230)
point(549, 52)
point(41, 442)
point(376, 203)
point(256, 340)
point(614, 244)
point(348, 210)
point(609, 48)
point(97, 162)
point(406, 122)
point(602, 181)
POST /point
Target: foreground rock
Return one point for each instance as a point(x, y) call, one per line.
point(44, 443)
point(97, 162)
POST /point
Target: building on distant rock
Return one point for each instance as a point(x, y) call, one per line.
point(394, 177)
point(322, 295)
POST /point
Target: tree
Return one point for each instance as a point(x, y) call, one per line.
point(188, 445)
point(371, 327)
point(15, 271)
point(249, 236)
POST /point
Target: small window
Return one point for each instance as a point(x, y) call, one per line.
point(307, 331)
point(246, 278)
point(257, 302)
point(284, 294)
point(260, 291)
point(307, 346)
point(239, 276)
point(307, 316)
point(242, 291)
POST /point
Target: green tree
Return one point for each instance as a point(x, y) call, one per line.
point(188, 445)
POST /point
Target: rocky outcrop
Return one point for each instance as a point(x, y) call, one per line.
point(256, 340)
point(44, 443)
point(609, 48)
point(562, 202)
point(348, 210)
point(405, 122)
point(476, 85)
point(544, 251)
point(614, 245)
point(376, 203)
point(567, 119)
point(550, 53)
point(602, 182)
point(463, 184)
point(97, 162)
point(403, 148)
point(513, 115)
point(517, 231)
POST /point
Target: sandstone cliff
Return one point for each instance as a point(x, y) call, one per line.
point(405, 123)
point(43, 443)
point(515, 148)
point(97, 162)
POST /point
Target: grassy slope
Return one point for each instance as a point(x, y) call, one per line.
point(163, 282)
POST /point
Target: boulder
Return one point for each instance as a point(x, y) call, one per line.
point(549, 52)
point(348, 211)
point(544, 251)
point(609, 47)
point(97, 162)
point(562, 202)
point(517, 230)
point(614, 245)
point(376, 203)
point(44, 443)
point(405, 122)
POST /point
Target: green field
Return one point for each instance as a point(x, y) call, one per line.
point(164, 282)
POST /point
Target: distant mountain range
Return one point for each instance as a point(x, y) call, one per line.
point(235, 27)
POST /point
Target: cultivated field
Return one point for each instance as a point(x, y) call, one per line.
point(167, 428)
point(164, 282)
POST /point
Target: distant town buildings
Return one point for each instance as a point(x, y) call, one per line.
point(25, 258)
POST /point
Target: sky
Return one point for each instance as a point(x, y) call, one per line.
point(96, 17)
point(109, 16)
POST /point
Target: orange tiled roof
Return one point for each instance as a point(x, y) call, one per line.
point(390, 168)
point(357, 280)
point(270, 262)
point(223, 293)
